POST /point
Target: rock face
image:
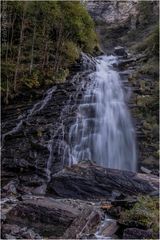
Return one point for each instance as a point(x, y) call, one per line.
point(87, 181)
point(35, 132)
point(113, 20)
point(117, 21)
point(143, 90)
point(112, 12)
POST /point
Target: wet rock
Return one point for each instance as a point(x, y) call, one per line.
point(11, 188)
point(45, 216)
point(89, 181)
point(12, 231)
point(152, 179)
point(122, 64)
point(85, 223)
point(110, 228)
point(145, 170)
point(136, 233)
point(120, 51)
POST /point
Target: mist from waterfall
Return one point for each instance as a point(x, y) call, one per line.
point(103, 131)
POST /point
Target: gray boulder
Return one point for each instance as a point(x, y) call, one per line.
point(120, 51)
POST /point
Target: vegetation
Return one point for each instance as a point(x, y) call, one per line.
point(145, 212)
point(144, 8)
point(40, 40)
point(147, 101)
point(150, 44)
point(145, 78)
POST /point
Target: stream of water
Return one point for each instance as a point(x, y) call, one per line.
point(103, 131)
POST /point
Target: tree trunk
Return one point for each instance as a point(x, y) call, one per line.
point(59, 59)
point(19, 50)
point(12, 33)
point(59, 42)
point(6, 59)
point(33, 39)
point(7, 89)
point(7, 92)
point(45, 53)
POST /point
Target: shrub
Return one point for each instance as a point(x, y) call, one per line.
point(145, 212)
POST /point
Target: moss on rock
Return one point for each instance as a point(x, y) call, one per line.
point(145, 213)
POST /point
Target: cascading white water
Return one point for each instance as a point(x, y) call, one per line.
point(103, 131)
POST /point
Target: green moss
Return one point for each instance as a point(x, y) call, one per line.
point(156, 154)
point(39, 132)
point(145, 212)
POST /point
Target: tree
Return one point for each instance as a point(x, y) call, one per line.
point(43, 39)
point(20, 45)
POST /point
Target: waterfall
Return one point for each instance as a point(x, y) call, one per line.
point(103, 131)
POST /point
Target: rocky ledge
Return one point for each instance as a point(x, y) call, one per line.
point(88, 181)
point(84, 201)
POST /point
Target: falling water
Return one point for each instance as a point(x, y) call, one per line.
point(34, 110)
point(103, 131)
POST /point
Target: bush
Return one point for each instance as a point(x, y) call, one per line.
point(145, 212)
point(150, 44)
